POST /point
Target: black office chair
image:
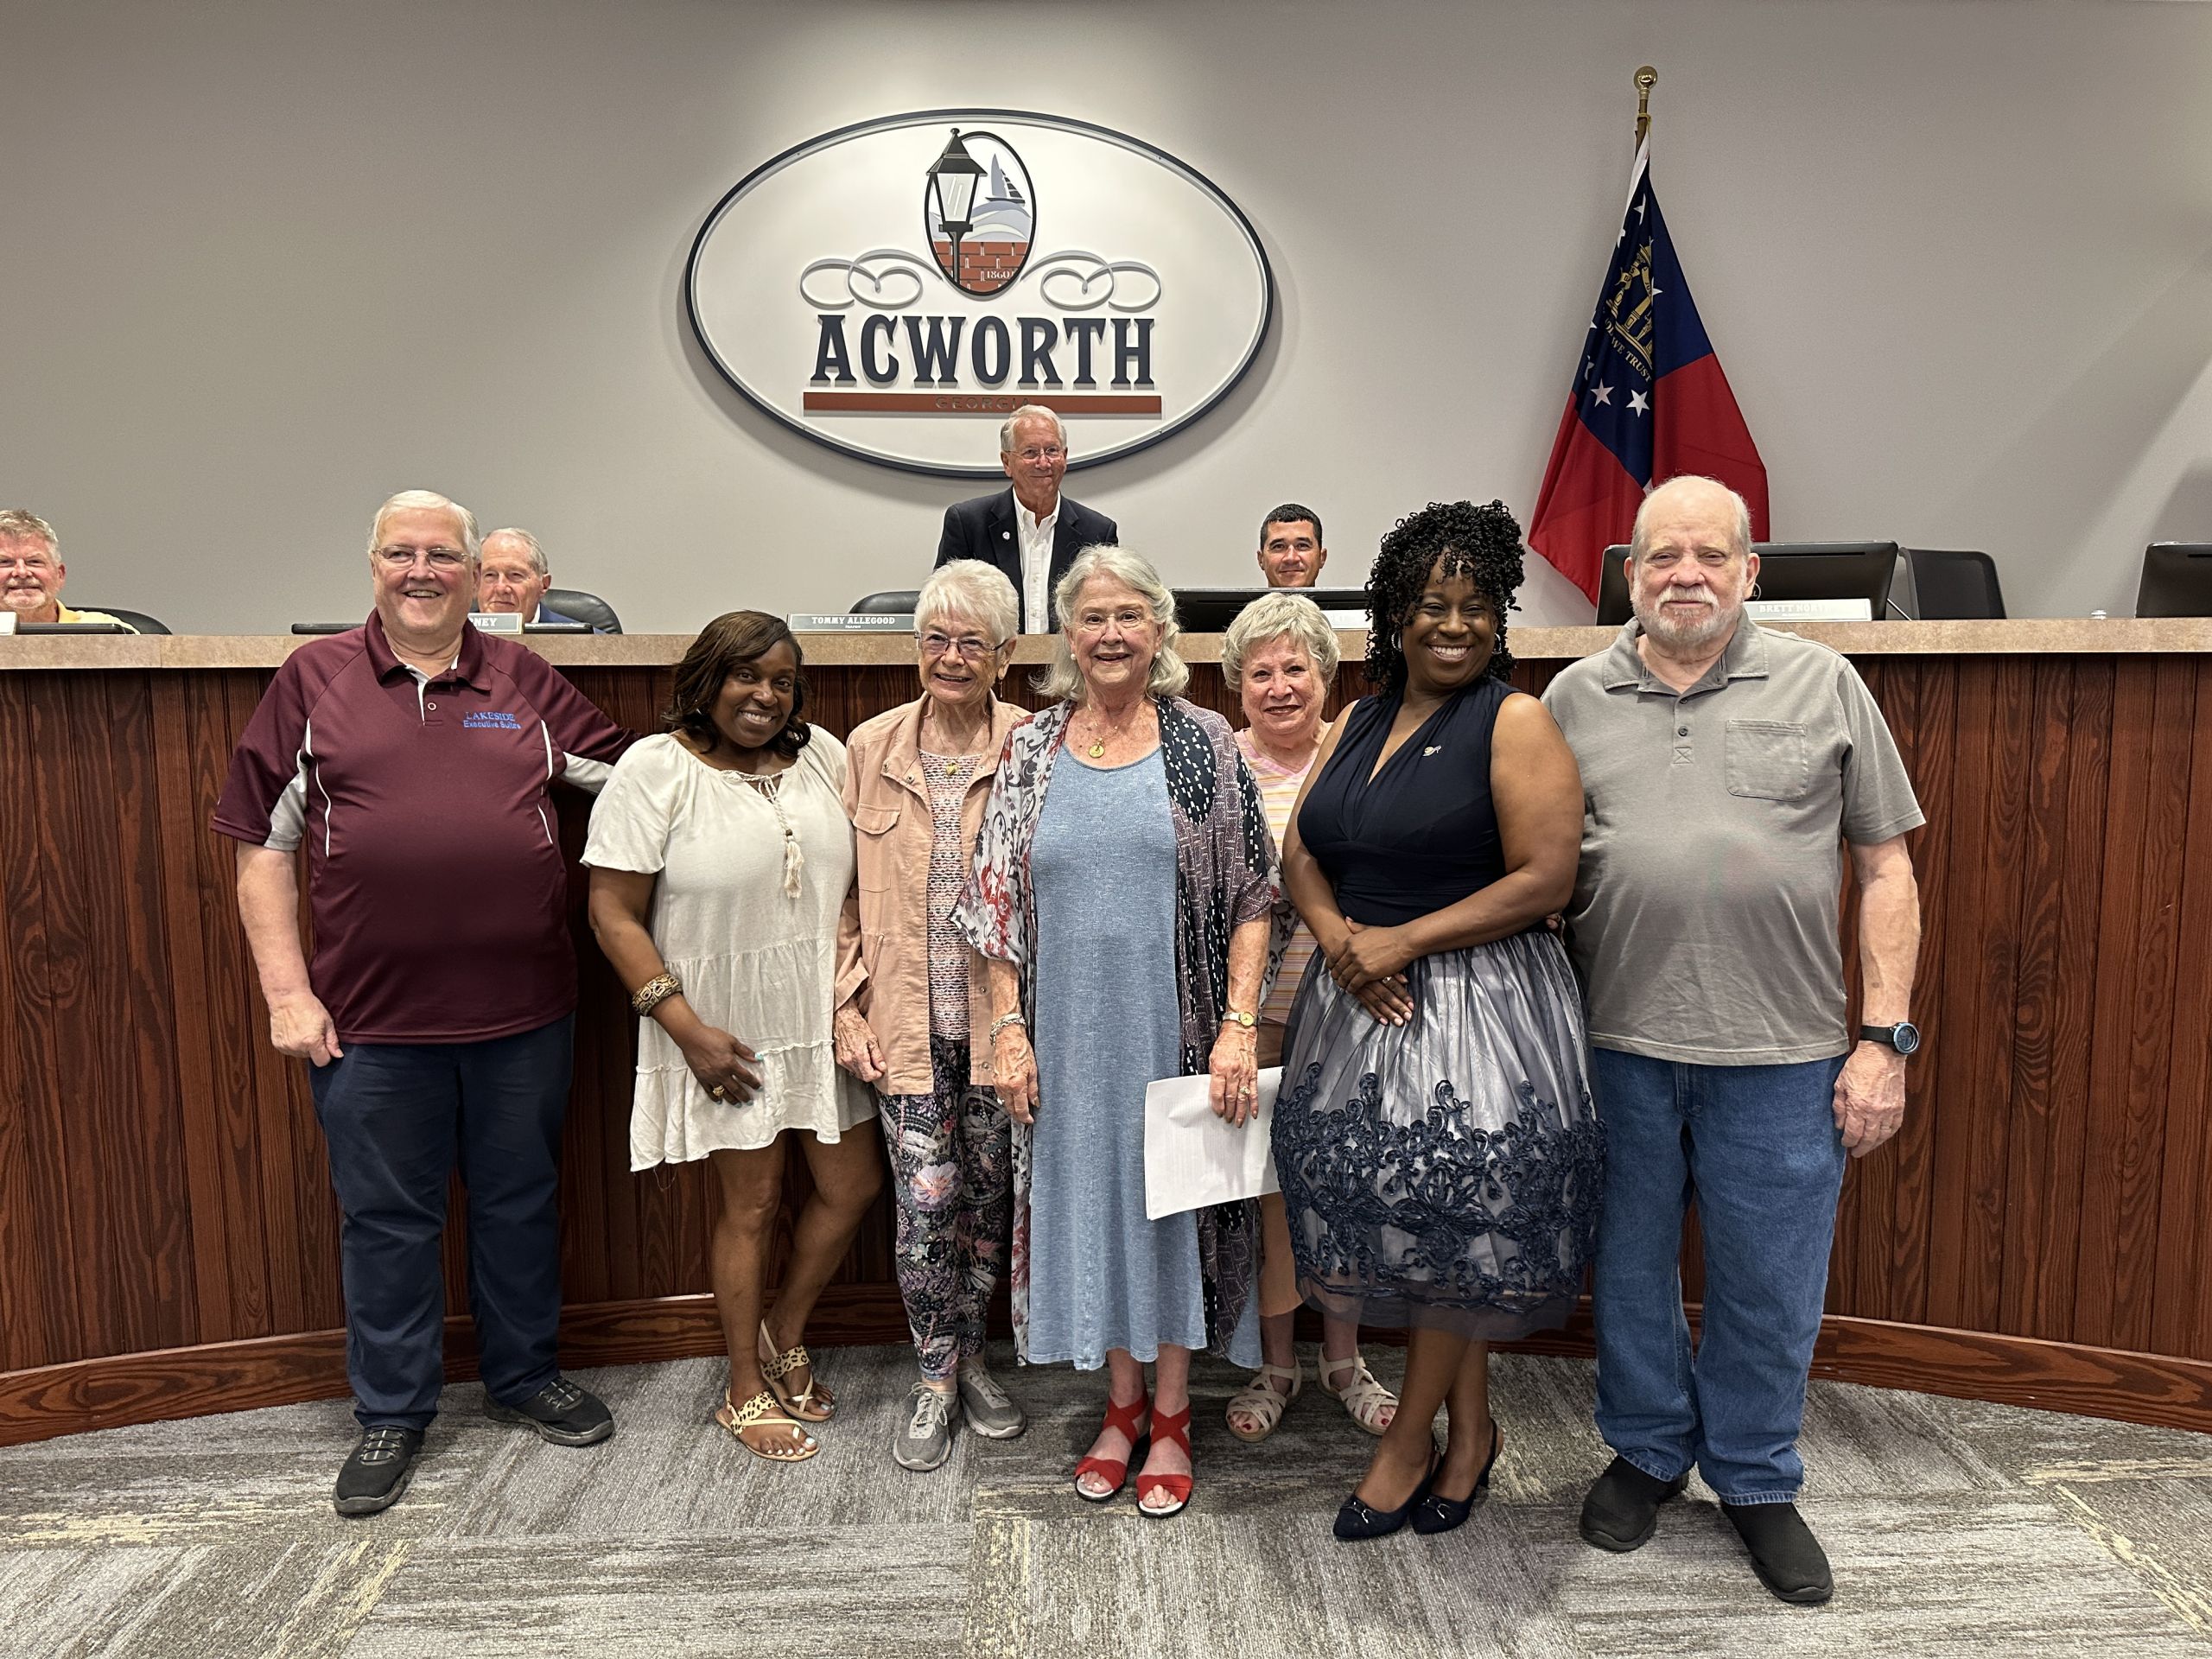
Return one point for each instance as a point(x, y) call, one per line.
point(1954, 586)
point(138, 620)
point(892, 601)
point(2177, 579)
point(585, 608)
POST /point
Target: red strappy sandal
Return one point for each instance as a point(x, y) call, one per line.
point(1173, 1426)
point(1118, 1469)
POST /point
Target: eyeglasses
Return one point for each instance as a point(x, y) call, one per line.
point(968, 648)
point(439, 558)
point(1046, 452)
point(1129, 616)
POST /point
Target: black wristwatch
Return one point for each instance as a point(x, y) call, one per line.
point(1905, 1036)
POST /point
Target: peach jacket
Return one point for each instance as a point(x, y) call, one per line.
point(883, 952)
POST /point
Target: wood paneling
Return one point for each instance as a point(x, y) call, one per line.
point(2038, 1232)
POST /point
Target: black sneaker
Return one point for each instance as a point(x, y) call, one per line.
point(374, 1477)
point(1784, 1553)
point(560, 1412)
point(1622, 1509)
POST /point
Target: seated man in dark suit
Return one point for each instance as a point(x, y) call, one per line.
point(1031, 531)
point(513, 576)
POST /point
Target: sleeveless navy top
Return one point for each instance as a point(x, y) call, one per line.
point(1422, 834)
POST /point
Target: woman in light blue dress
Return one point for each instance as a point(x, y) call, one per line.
point(1125, 897)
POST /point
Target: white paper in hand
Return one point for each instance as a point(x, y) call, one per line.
point(1193, 1158)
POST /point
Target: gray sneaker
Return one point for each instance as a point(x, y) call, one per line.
point(923, 1439)
point(990, 1410)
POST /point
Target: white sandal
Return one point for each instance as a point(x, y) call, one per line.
point(1262, 1404)
point(1365, 1399)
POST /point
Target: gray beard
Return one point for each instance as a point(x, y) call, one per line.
point(1676, 637)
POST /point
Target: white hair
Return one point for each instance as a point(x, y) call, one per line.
point(1061, 678)
point(529, 545)
point(1030, 412)
point(427, 501)
point(971, 588)
point(22, 524)
point(1281, 614)
point(1639, 537)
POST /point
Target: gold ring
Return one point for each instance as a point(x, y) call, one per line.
point(716, 1092)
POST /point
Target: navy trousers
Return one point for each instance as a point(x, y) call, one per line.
point(399, 1118)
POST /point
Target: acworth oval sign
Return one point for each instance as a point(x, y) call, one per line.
point(894, 288)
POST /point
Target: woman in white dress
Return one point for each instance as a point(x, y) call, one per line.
point(720, 858)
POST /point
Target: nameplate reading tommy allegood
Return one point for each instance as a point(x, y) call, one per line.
point(851, 622)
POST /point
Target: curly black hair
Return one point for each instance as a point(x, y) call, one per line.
point(1481, 542)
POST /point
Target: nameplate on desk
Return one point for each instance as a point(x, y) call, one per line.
point(1341, 619)
point(1809, 610)
point(851, 622)
point(7, 621)
point(497, 621)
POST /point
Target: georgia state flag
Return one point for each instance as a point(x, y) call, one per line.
point(1649, 404)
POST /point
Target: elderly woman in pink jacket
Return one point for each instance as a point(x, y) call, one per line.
point(912, 1016)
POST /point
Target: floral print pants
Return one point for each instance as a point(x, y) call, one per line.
point(952, 1166)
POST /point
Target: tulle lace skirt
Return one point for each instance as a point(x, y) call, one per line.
point(1446, 1172)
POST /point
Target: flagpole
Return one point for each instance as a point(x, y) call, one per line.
point(1646, 78)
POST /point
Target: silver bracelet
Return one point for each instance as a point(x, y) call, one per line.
point(1002, 1022)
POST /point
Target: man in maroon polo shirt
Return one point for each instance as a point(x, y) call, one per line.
point(413, 757)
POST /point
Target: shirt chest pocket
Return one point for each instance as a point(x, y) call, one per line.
point(872, 846)
point(1768, 759)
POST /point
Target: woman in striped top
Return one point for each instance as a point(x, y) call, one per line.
point(1280, 656)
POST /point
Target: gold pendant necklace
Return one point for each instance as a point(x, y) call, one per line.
point(1098, 744)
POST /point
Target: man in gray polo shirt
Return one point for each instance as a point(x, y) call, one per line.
point(1723, 764)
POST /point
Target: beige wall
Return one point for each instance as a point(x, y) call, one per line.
point(267, 263)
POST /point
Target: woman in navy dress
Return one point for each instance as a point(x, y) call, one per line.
point(1439, 1157)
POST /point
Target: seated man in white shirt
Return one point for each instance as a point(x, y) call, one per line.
point(31, 573)
point(513, 576)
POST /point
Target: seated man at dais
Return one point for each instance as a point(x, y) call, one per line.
point(513, 576)
point(31, 573)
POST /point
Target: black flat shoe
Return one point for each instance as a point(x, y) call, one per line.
point(1436, 1513)
point(1356, 1521)
point(1784, 1553)
point(1622, 1509)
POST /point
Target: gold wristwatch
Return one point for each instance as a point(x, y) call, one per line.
point(1238, 1016)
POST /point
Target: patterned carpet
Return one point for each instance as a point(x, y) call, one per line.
point(1955, 1529)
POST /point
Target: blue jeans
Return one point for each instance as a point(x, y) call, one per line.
point(1757, 1148)
point(399, 1117)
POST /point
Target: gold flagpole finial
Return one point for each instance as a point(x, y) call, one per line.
point(1646, 78)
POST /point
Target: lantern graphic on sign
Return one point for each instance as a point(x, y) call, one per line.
point(978, 212)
